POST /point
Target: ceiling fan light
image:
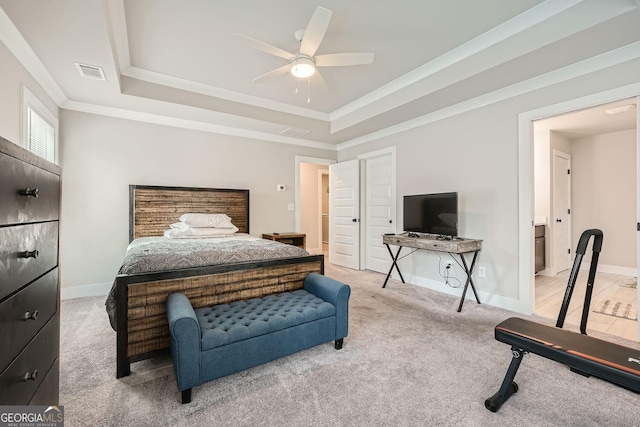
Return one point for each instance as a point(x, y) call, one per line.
point(302, 68)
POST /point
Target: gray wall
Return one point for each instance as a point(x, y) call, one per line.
point(476, 154)
point(102, 156)
point(604, 193)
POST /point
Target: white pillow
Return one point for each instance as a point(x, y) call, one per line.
point(200, 232)
point(199, 220)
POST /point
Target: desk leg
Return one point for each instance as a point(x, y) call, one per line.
point(468, 270)
point(394, 259)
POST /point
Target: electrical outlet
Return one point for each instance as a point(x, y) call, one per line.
point(482, 272)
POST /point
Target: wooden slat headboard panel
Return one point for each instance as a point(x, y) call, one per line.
point(152, 209)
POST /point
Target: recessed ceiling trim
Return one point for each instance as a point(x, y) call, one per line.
point(605, 60)
point(160, 119)
point(201, 88)
point(517, 24)
point(116, 26)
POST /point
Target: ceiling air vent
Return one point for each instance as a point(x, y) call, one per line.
point(295, 132)
point(90, 71)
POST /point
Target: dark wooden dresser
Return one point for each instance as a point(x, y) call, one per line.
point(29, 291)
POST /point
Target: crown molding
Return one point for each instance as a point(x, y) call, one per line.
point(216, 92)
point(19, 47)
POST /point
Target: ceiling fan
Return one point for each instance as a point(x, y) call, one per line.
point(304, 63)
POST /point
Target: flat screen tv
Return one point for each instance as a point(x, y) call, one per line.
point(431, 214)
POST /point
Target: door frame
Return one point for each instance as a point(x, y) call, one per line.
point(526, 278)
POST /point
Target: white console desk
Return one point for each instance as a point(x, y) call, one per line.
point(432, 243)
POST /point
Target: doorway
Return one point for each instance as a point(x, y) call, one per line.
point(309, 198)
point(585, 176)
point(323, 213)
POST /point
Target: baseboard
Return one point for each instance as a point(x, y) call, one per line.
point(485, 297)
point(314, 251)
point(612, 269)
point(95, 290)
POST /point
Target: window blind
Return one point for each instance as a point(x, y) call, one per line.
point(41, 135)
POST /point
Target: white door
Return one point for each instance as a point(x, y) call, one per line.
point(380, 211)
point(561, 221)
point(344, 214)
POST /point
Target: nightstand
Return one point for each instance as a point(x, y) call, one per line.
point(295, 239)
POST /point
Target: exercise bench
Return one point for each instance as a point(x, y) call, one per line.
point(583, 354)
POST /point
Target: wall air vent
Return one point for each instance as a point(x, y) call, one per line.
point(90, 71)
point(295, 132)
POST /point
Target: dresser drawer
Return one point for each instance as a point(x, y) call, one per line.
point(48, 394)
point(27, 252)
point(25, 313)
point(22, 378)
point(19, 205)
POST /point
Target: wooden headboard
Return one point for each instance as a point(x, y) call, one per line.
point(152, 208)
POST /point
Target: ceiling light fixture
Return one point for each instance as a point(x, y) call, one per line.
point(302, 67)
point(620, 109)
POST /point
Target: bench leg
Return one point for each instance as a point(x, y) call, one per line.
point(186, 396)
point(338, 343)
point(508, 386)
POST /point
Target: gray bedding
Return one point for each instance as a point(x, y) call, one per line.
point(155, 254)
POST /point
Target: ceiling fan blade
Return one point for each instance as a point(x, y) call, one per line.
point(272, 50)
point(273, 73)
point(343, 59)
point(316, 28)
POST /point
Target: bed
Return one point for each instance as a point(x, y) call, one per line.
point(137, 300)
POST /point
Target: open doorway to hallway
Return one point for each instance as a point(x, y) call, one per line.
point(312, 203)
point(601, 145)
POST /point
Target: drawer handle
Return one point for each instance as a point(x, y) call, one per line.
point(29, 192)
point(29, 254)
point(33, 315)
point(30, 376)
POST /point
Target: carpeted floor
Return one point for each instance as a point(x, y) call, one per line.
point(410, 360)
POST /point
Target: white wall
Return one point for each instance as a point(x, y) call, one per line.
point(605, 194)
point(102, 156)
point(542, 172)
point(476, 154)
point(13, 76)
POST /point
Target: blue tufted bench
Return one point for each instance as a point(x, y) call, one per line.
point(212, 342)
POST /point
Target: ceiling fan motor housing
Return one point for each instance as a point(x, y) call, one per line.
point(303, 66)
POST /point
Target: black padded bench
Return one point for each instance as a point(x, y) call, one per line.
point(585, 355)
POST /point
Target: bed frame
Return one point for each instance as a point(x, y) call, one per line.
point(142, 328)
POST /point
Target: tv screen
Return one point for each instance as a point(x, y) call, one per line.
point(431, 213)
